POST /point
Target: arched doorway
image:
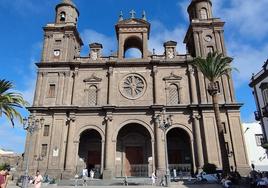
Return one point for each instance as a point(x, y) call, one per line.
point(133, 151)
point(179, 152)
point(90, 151)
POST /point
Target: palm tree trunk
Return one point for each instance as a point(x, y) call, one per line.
point(223, 149)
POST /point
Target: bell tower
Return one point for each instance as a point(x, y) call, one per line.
point(205, 33)
point(132, 33)
point(62, 42)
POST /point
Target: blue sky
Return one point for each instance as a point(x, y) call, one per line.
point(22, 36)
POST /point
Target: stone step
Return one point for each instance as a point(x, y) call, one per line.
point(98, 182)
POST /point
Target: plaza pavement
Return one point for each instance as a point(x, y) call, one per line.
point(174, 185)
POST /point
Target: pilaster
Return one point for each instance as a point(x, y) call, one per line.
point(108, 172)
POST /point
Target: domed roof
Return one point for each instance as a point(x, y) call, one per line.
point(68, 3)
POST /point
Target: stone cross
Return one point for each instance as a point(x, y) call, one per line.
point(132, 13)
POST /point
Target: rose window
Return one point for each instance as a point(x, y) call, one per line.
point(132, 86)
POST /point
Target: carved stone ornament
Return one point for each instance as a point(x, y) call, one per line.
point(132, 86)
point(172, 76)
point(93, 78)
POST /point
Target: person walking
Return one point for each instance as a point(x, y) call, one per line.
point(153, 178)
point(4, 175)
point(37, 180)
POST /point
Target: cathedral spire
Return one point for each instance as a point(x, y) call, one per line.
point(121, 18)
point(144, 15)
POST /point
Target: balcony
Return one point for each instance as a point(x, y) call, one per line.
point(257, 115)
point(265, 111)
point(264, 143)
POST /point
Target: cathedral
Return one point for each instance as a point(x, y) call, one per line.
point(107, 113)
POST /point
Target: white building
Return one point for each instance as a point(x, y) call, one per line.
point(259, 85)
point(256, 154)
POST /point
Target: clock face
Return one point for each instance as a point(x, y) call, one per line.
point(208, 38)
point(56, 53)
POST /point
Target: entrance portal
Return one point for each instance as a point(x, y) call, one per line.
point(133, 152)
point(90, 151)
point(179, 151)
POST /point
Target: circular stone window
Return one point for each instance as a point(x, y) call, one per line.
point(132, 86)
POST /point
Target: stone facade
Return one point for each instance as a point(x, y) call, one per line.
point(100, 112)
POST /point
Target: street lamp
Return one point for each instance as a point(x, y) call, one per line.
point(30, 125)
point(165, 121)
point(38, 159)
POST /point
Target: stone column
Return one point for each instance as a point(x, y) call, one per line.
point(38, 88)
point(197, 44)
point(108, 172)
point(43, 88)
point(155, 96)
point(153, 154)
point(198, 140)
point(145, 47)
point(110, 85)
point(160, 149)
point(102, 155)
point(60, 88)
point(66, 88)
point(70, 149)
point(193, 85)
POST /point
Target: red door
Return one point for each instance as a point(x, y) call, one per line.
point(94, 158)
point(134, 156)
point(174, 156)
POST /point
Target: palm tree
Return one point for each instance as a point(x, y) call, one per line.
point(10, 101)
point(213, 67)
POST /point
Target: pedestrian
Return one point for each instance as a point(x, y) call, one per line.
point(37, 179)
point(85, 176)
point(153, 178)
point(4, 176)
point(92, 174)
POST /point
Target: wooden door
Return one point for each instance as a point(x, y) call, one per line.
point(134, 156)
point(174, 157)
point(94, 158)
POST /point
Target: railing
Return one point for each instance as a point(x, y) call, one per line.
point(137, 170)
point(182, 170)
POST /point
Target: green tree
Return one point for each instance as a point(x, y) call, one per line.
point(10, 102)
point(213, 67)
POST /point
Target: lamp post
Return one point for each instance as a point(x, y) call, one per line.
point(165, 121)
point(30, 125)
point(38, 159)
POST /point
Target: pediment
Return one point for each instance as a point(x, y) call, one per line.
point(172, 76)
point(133, 21)
point(93, 78)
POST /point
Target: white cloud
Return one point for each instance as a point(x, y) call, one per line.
point(161, 34)
point(90, 36)
point(12, 138)
point(247, 59)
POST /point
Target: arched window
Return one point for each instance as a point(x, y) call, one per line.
point(133, 47)
point(92, 95)
point(203, 13)
point(133, 53)
point(173, 95)
point(62, 16)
